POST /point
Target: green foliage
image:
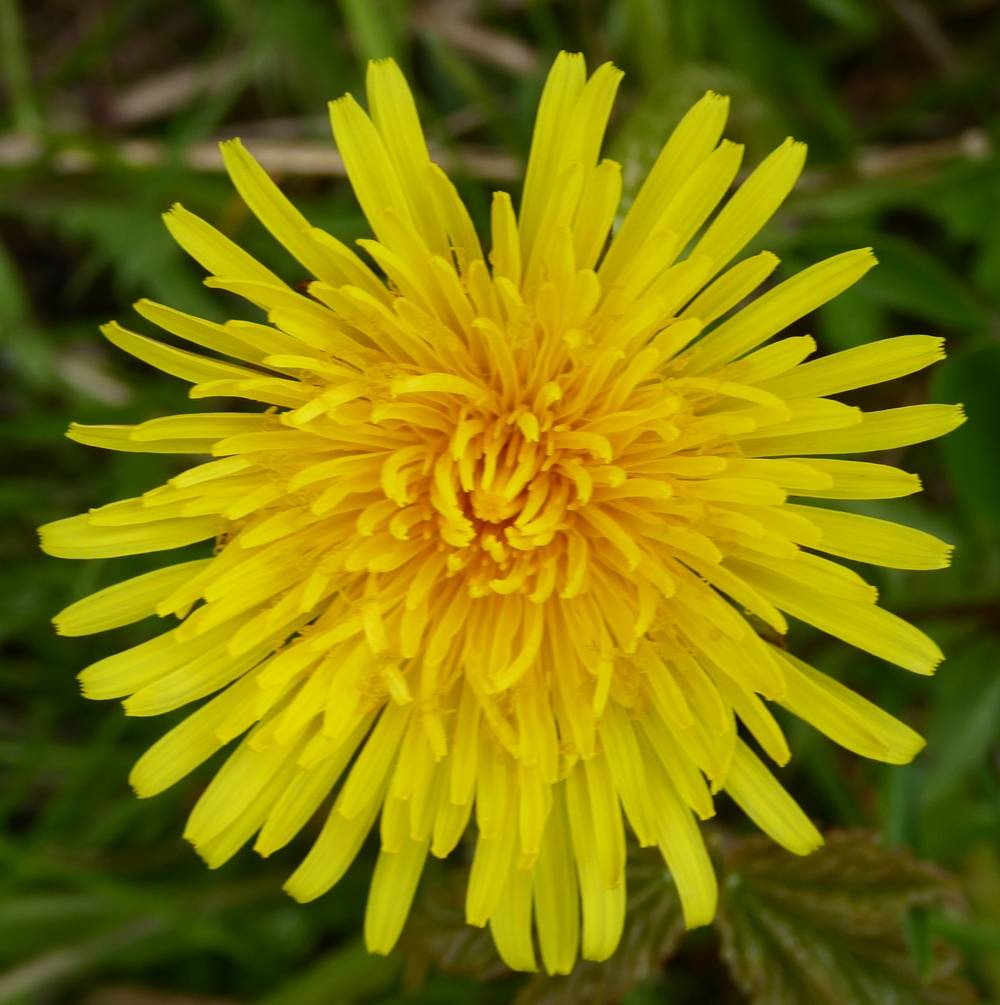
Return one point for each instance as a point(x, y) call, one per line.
point(347, 973)
point(829, 928)
point(110, 112)
point(837, 926)
point(972, 376)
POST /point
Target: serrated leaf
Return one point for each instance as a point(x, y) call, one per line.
point(436, 933)
point(829, 929)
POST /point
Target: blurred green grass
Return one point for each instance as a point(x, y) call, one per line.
point(111, 110)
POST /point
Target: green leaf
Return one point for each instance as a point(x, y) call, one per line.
point(38, 975)
point(972, 377)
point(913, 281)
point(128, 238)
point(376, 28)
point(346, 974)
point(644, 32)
point(26, 350)
point(986, 231)
point(828, 929)
point(853, 16)
point(850, 320)
point(965, 723)
point(908, 279)
point(752, 40)
point(436, 934)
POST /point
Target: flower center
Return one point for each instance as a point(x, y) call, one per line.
point(502, 490)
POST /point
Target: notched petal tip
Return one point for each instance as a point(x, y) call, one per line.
point(384, 69)
point(344, 104)
point(52, 536)
point(815, 842)
point(112, 331)
point(905, 748)
point(713, 97)
point(170, 215)
point(141, 790)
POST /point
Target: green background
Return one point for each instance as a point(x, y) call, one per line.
point(110, 113)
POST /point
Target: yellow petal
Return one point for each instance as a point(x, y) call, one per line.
point(192, 741)
point(859, 480)
point(177, 362)
point(596, 213)
point(335, 849)
point(234, 787)
point(683, 849)
point(369, 166)
point(563, 87)
point(731, 288)
point(863, 625)
point(753, 204)
point(510, 922)
point(846, 717)
point(266, 201)
point(79, 537)
point(394, 114)
point(123, 603)
point(691, 142)
point(778, 308)
point(886, 430)
point(304, 795)
point(557, 895)
point(877, 542)
point(214, 250)
point(858, 367)
point(394, 883)
point(208, 334)
point(768, 805)
point(120, 438)
point(602, 907)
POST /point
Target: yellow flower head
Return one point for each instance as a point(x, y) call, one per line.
point(514, 539)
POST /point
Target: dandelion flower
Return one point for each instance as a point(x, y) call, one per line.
point(512, 549)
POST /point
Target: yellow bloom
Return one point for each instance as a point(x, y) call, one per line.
point(508, 536)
